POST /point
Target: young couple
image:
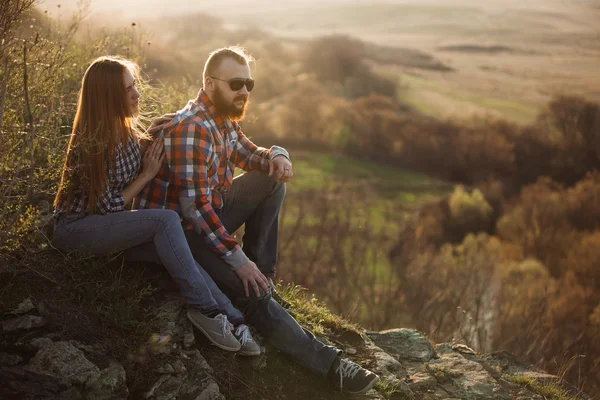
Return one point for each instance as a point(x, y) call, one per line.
point(182, 168)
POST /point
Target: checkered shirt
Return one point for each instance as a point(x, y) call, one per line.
point(202, 151)
point(127, 166)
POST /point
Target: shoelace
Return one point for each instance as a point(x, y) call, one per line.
point(226, 326)
point(347, 369)
point(242, 334)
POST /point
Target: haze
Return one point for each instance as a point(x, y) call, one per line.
point(506, 57)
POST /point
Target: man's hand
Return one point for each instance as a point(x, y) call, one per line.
point(281, 168)
point(250, 275)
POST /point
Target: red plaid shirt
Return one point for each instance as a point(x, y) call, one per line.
point(202, 151)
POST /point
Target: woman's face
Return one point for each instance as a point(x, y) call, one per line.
point(131, 93)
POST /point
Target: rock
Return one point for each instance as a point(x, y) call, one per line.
point(170, 320)
point(24, 322)
point(167, 388)
point(73, 393)
point(24, 307)
point(197, 360)
point(189, 339)
point(109, 385)
point(165, 369)
point(384, 364)
point(17, 383)
point(64, 362)
point(211, 393)
point(461, 377)
point(10, 359)
point(82, 347)
point(408, 344)
point(179, 367)
point(463, 348)
point(351, 351)
point(41, 342)
point(190, 379)
point(421, 381)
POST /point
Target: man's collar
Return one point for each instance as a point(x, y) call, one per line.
point(206, 103)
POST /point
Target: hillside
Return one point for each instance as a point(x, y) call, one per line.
point(55, 348)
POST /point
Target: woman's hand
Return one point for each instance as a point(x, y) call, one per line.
point(153, 159)
point(159, 123)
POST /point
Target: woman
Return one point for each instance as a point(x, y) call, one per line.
point(104, 170)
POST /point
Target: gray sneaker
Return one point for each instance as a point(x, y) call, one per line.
point(217, 330)
point(351, 377)
point(249, 346)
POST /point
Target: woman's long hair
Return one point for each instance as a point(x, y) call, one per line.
point(103, 120)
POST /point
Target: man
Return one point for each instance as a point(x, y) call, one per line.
point(204, 144)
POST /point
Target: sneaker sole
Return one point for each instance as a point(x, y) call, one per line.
point(249, 353)
point(366, 388)
point(219, 345)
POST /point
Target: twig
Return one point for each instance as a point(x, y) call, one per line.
point(7, 67)
point(29, 119)
point(39, 273)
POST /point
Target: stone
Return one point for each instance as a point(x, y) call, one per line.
point(421, 381)
point(64, 362)
point(24, 322)
point(24, 307)
point(111, 384)
point(351, 351)
point(165, 369)
point(209, 390)
point(10, 359)
point(167, 387)
point(461, 377)
point(197, 360)
point(384, 364)
point(41, 342)
point(178, 367)
point(463, 348)
point(408, 344)
point(190, 379)
point(21, 384)
point(73, 393)
point(82, 347)
point(188, 340)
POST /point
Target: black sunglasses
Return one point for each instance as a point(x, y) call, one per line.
point(236, 84)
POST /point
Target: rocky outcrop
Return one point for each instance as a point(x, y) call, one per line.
point(411, 367)
point(47, 369)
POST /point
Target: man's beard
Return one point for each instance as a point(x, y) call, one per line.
point(229, 110)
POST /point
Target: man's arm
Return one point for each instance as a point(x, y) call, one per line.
point(248, 156)
point(187, 148)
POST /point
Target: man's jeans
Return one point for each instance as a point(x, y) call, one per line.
point(160, 230)
point(255, 199)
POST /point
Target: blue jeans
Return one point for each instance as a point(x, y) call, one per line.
point(254, 200)
point(161, 229)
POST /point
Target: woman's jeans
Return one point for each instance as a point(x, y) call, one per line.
point(103, 234)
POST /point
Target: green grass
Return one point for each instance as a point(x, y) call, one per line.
point(434, 99)
point(315, 315)
point(550, 391)
point(317, 170)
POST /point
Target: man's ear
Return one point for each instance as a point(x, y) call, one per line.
point(209, 84)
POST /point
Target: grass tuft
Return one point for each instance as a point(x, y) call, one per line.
point(550, 391)
point(309, 311)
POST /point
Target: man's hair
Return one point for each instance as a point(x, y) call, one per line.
point(215, 58)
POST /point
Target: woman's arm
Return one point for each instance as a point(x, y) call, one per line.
point(151, 163)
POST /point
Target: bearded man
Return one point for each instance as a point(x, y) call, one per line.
point(204, 144)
